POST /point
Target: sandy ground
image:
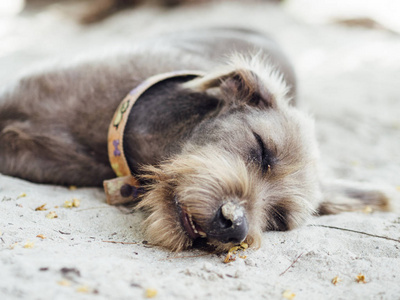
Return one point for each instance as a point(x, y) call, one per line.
point(349, 80)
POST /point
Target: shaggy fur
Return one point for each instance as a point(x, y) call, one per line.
point(223, 157)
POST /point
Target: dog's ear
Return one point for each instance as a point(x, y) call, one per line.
point(341, 196)
point(237, 87)
point(244, 87)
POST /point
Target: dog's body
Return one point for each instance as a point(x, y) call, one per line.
point(228, 155)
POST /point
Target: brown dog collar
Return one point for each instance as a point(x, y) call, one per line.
point(125, 187)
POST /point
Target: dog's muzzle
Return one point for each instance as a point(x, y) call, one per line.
point(229, 224)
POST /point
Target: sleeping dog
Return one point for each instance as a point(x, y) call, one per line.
point(209, 130)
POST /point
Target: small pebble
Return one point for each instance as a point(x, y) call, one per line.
point(238, 274)
point(249, 262)
point(242, 287)
point(207, 267)
point(212, 277)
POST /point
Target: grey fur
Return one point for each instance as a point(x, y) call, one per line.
point(54, 124)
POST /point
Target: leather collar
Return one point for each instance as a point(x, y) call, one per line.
point(125, 188)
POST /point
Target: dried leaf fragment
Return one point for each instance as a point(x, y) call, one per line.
point(234, 249)
point(41, 236)
point(51, 215)
point(336, 280)
point(360, 278)
point(72, 203)
point(29, 245)
point(244, 245)
point(67, 204)
point(72, 187)
point(150, 293)
point(82, 289)
point(22, 195)
point(41, 208)
point(12, 246)
point(64, 282)
point(231, 256)
point(76, 202)
point(288, 295)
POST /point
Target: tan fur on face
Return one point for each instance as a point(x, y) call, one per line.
point(201, 183)
point(202, 179)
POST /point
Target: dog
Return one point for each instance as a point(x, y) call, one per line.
point(222, 154)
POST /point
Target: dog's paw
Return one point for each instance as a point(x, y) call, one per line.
point(342, 196)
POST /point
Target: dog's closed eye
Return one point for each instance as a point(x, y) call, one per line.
point(262, 155)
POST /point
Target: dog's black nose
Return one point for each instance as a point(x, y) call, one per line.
point(230, 224)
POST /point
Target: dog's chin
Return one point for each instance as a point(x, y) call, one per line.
point(189, 225)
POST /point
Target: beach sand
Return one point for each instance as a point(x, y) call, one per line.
point(348, 80)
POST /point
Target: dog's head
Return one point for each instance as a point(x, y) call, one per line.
point(251, 168)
